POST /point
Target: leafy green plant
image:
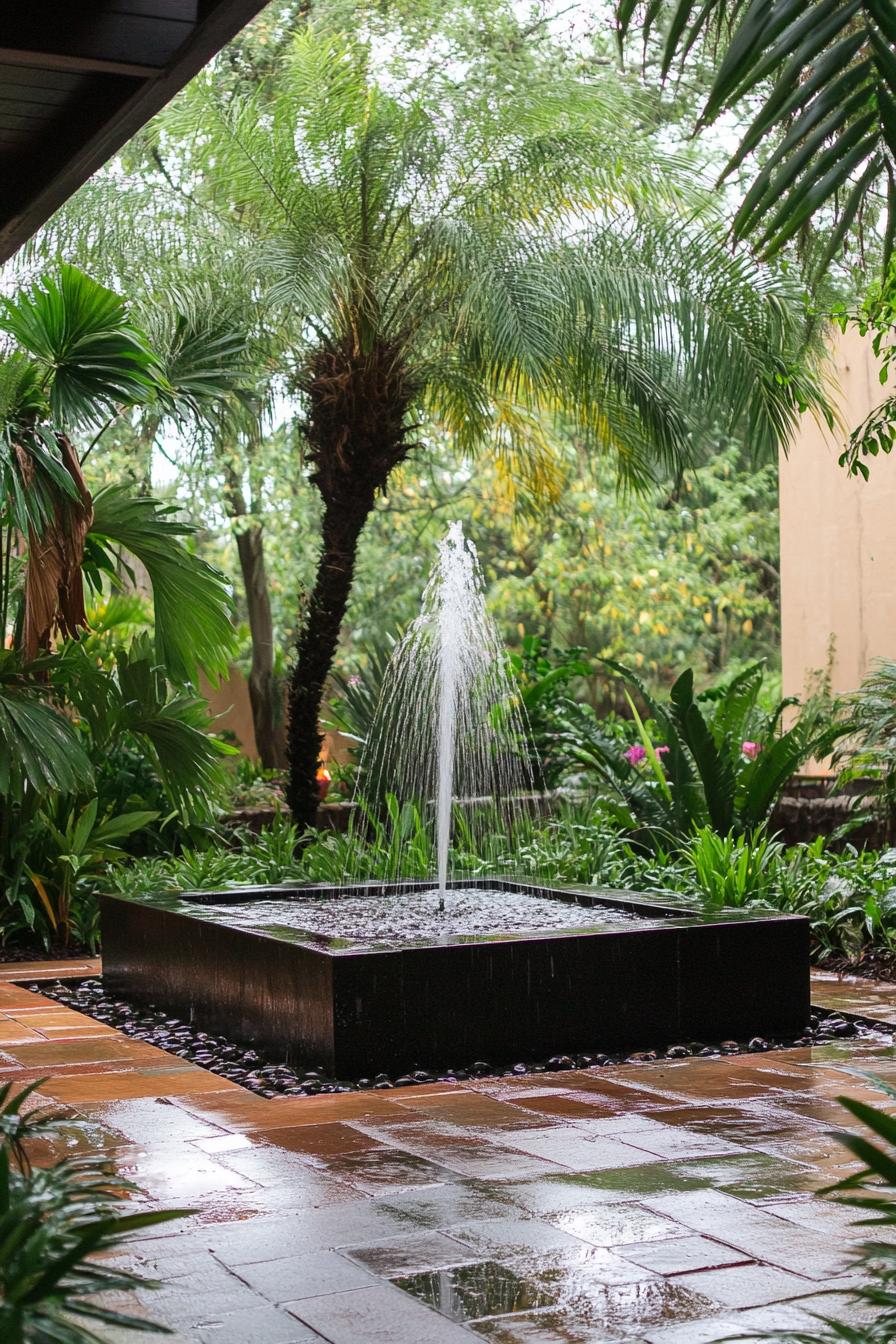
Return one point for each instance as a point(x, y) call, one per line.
point(54, 1221)
point(848, 898)
point(867, 756)
point(721, 761)
point(543, 676)
point(733, 870)
point(71, 361)
point(72, 850)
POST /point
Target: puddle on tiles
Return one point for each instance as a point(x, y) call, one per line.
point(400, 1257)
point(544, 1327)
point(602, 1312)
point(577, 1271)
point(617, 1225)
point(630, 1308)
point(750, 1175)
point(466, 1292)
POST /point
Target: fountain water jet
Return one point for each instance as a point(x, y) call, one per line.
point(449, 724)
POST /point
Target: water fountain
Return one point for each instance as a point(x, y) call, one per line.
point(448, 724)
point(399, 974)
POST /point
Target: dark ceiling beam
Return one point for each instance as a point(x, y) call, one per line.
point(39, 187)
point(56, 33)
point(89, 65)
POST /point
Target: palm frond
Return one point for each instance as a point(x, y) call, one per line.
point(826, 75)
point(94, 359)
point(192, 601)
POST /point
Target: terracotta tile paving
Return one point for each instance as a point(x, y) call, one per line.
point(665, 1203)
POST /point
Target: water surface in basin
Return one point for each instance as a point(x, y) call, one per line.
point(362, 919)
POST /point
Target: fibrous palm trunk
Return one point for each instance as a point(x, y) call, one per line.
point(356, 435)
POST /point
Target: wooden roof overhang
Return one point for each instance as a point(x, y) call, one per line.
point(79, 77)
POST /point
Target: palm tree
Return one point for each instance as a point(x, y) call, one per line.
point(819, 80)
point(478, 276)
point(73, 359)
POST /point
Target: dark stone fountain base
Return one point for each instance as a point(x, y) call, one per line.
point(672, 973)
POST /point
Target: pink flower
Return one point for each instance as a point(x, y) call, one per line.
point(635, 755)
point(661, 751)
point(354, 680)
point(751, 749)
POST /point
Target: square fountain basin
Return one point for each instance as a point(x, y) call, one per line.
point(668, 974)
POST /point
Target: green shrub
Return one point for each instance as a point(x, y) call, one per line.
point(716, 759)
point(733, 870)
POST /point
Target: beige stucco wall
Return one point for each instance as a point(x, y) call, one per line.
point(838, 539)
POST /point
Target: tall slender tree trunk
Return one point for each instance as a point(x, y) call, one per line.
point(263, 693)
point(342, 526)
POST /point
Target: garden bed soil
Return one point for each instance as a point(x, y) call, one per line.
point(34, 950)
point(873, 964)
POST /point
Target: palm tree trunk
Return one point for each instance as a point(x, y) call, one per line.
point(343, 524)
point(356, 433)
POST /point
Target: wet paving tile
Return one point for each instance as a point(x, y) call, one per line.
point(115, 1051)
point(513, 1236)
point(252, 1240)
point(564, 1106)
point(850, 994)
point(15, 1033)
point(617, 1224)
point(167, 1082)
point(240, 1110)
point(569, 1271)
point(448, 1206)
point(669, 1142)
point(467, 1292)
point(829, 1217)
point(748, 1125)
point(314, 1141)
point(294, 1277)
point(148, 1120)
point(681, 1255)
point(473, 1110)
point(629, 1184)
point(547, 1326)
point(571, 1148)
point(740, 1325)
point(748, 1175)
point(753, 1230)
point(261, 1325)
point(175, 1174)
point(396, 1256)
point(750, 1285)
point(461, 1153)
point(198, 1298)
point(268, 1165)
point(377, 1169)
point(631, 1310)
point(381, 1315)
